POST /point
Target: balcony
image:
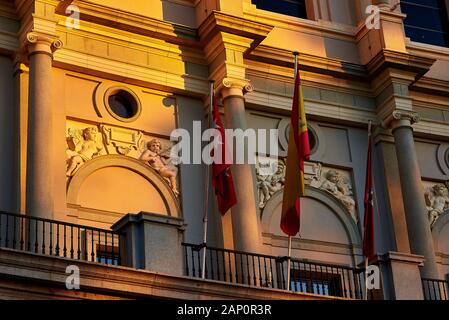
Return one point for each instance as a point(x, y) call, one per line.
point(271, 272)
point(92, 248)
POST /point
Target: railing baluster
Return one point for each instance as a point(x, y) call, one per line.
point(79, 244)
point(7, 232)
point(218, 265)
point(36, 243)
point(92, 252)
point(212, 273)
point(65, 241)
point(71, 243)
point(43, 237)
point(99, 256)
point(254, 271)
point(186, 261)
point(14, 233)
point(225, 275)
point(22, 241)
point(29, 235)
point(1, 232)
point(200, 265)
point(50, 248)
point(57, 240)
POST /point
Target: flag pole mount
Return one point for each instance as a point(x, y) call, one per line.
point(206, 183)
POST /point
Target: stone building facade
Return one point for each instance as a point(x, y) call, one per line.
point(92, 90)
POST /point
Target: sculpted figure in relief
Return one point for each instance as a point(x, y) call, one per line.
point(269, 185)
point(437, 202)
point(82, 146)
point(156, 158)
point(339, 188)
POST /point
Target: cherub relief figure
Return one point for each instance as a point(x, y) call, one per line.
point(82, 147)
point(269, 185)
point(339, 188)
point(437, 202)
point(157, 159)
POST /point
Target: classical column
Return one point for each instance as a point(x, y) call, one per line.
point(245, 224)
point(40, 171)
point(420, 236)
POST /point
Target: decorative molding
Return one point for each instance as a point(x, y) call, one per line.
point(121, 140)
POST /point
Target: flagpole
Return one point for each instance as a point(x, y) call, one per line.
point(289, 260)
point(206, 183)
point(366, 258)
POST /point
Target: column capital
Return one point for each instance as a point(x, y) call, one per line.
point(37, 42)
point(230, 87)
point(399, 118)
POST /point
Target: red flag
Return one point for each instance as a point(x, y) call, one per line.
point(221, 172)
point(298, 151)
point(368, 234)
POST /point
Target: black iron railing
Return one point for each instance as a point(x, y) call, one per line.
point(435, 289)
point(271, 272)
point(61, 239)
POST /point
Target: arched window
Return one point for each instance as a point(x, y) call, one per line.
point(427, 21)
point(295, 8)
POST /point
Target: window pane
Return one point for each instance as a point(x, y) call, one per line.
point(295, 8)
point(426, 21)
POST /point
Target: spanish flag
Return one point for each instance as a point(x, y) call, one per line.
point(298, 151)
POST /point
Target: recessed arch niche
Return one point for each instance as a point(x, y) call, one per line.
point(328, 232)
point(108, 187)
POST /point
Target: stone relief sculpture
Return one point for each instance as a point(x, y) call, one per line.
point(331, 181)
point(339, 187)
point(161, 162)
point(121, 140)
point(269, 184)
point(82, 145)
point(437, 201)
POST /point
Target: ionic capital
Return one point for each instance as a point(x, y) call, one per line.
point(42, 43)
point(231, 87)
point(401, 118)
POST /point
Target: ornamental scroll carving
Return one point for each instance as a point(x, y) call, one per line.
point(271, 179)
point(86, 142)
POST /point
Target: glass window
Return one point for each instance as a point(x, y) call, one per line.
point(427, 21)
point(322, 283)
point(295, 8)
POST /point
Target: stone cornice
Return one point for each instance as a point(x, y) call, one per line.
point(307, 62)
point(134, 23)
point(8, 10)
point(220, 22)
point(399, 60)
point(432, 86)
